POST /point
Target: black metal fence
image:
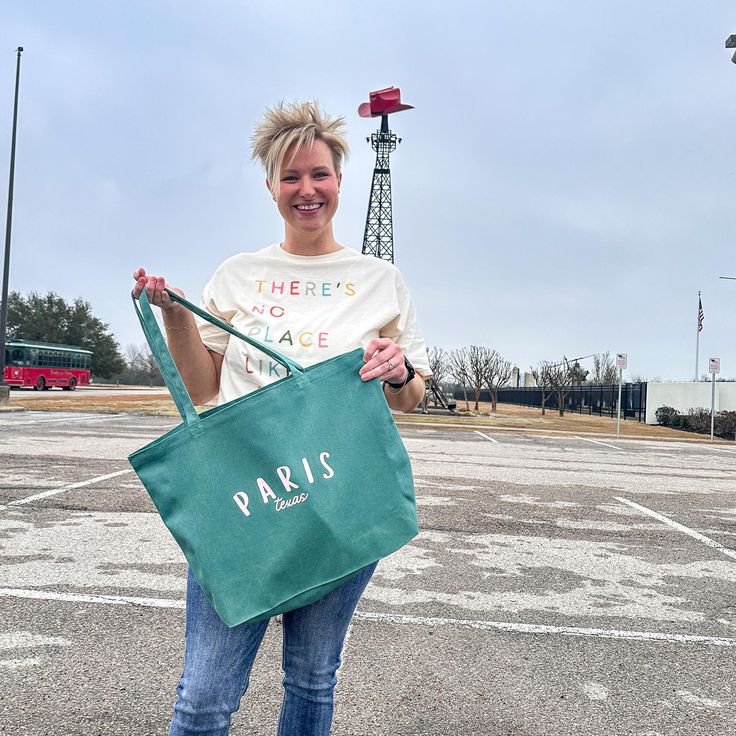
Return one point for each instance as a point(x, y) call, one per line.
point(586, 399)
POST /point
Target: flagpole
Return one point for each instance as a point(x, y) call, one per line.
point(697, 340)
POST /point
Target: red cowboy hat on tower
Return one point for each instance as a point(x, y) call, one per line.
point(383, 102)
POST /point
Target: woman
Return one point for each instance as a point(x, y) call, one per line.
point(314, 299)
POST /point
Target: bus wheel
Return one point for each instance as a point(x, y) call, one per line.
point(72, 384)
point(40, 384)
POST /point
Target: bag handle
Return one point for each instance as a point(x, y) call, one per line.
point(290, 365)
point(169, 371)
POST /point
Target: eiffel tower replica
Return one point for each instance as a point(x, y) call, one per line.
point(378, 239)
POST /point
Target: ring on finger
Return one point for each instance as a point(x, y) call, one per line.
point(390, 365)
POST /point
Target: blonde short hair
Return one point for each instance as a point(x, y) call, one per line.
point(299, 123)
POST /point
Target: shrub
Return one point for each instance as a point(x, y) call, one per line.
point(665, 415)
point(698, 420)
point(679, 421)
point(725, 424)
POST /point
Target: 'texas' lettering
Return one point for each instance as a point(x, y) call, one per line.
point(284, 475)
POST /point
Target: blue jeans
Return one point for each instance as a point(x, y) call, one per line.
point(218, 661)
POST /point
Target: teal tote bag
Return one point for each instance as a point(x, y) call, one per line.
point(277, 497)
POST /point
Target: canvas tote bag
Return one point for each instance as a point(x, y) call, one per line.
point(277, 497)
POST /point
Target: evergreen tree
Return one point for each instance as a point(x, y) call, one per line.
point(579, 374)
point(50, 318)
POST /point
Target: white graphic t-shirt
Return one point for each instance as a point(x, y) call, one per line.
point(310, 308)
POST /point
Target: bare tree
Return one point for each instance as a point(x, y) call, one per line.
point(132, 356)
point(438, 359)
point(497, 374)
point(604, 369)
point(142, 366)
point(458, 366)
point(561, 377)
point(149, 367)
point(478, 361)
point(541, 378)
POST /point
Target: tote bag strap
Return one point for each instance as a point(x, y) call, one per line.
point(169, 372)
point(289, 364)
point(165, 362)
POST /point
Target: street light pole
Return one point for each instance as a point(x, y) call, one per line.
point(4, 389)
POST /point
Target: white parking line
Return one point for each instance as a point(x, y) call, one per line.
point(705, 446)
point(104, 418)
point(486, 436)
point(680, 527)
point(541, 629)
point(394, 618)
point(113, 600)
point(596, 442)
point(71, 487)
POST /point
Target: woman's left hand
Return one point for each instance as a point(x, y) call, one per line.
point(383, 359)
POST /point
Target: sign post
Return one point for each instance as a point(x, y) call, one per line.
point(621, 359)
point(714, 367)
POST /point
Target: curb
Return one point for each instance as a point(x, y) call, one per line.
point(563, 432)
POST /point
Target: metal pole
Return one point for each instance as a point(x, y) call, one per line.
point(697, 341)
point(712, 404)
point(618, 404)
point(6, 263)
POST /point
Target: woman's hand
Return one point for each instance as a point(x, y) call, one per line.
point(383, 359)
point(198, 366)
point(154, 286)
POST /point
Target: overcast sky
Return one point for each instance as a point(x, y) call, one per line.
point(566, 183)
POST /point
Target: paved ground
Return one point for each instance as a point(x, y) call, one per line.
point(558, 586)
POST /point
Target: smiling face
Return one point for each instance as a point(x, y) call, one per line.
point(307, 196)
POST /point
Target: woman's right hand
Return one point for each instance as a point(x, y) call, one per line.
point(198, 366)
point(155, 290)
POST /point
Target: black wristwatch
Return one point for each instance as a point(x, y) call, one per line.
point(410, 374)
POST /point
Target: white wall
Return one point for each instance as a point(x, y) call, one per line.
point(688, 395)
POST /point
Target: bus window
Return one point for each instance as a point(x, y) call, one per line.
point(16, 357)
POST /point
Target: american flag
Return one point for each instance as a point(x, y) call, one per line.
point(701, 314)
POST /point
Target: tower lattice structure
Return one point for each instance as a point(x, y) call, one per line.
point(378, 239)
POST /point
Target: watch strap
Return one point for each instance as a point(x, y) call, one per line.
point(410, 373)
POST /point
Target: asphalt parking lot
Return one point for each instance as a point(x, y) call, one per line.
point(559, 585)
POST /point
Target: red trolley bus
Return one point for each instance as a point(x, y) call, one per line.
point(45, 364)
